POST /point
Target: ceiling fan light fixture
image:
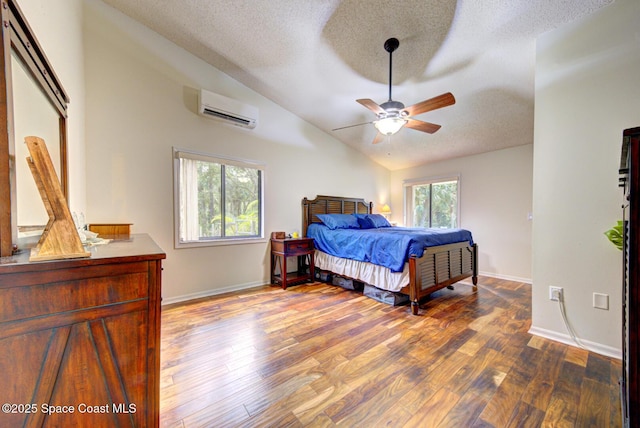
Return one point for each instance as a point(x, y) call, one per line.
point(389, 125)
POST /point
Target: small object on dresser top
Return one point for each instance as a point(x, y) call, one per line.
point(277, 235)
point(111, 230)
point(90, 239)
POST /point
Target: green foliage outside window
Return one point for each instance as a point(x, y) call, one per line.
point(237, 189)
point(436, 205)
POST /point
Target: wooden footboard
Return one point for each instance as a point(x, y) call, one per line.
point(440, 267)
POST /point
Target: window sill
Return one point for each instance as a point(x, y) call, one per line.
point(219, 242)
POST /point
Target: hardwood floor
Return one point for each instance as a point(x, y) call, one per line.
point(318, 355)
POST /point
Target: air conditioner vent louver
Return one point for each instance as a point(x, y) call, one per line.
point(227, 110)
point(225, 116)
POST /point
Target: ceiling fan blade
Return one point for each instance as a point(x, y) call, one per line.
point(351, 126)
point(371, 105)
point(419, 125)
point(434, 103)
point(378, 138)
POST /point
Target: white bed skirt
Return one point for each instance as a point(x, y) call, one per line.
point(378, 276)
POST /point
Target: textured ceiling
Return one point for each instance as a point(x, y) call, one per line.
point(316, 57)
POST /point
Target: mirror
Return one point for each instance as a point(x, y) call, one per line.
point(35, 104)
point(33, 114)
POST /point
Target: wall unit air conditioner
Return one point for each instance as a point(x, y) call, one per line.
point(227, 110)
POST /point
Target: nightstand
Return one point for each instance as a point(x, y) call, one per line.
point(303, 249)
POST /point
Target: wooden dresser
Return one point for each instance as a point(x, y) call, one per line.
point(80, 338)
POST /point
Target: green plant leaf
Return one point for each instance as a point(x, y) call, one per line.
point(615, 235)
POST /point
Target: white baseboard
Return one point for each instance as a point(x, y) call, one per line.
point(598, 348)
point(507, 277)
point(209, 293)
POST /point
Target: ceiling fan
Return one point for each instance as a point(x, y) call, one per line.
point(393, 115)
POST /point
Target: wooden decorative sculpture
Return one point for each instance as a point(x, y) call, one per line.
point(60, 239)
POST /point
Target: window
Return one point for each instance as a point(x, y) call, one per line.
point(217, 200)
point(432, 202)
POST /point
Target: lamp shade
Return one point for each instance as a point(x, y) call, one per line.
point(389, 125)
point(386, 209)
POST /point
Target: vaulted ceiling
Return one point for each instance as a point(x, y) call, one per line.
point(316, 57)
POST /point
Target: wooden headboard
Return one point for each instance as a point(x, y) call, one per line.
point(331, 205)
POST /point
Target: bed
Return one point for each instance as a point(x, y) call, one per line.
point(439, 266)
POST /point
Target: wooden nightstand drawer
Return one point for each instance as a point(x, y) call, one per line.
point(296, 246)
point(292, 246)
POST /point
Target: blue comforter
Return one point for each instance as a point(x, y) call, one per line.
point(385, 246)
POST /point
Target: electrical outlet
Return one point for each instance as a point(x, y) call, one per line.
point(555, 293)
point(601, 301)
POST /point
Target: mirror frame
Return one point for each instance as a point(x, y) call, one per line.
point(16, 35)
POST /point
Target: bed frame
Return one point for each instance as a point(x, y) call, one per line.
point(439, 266)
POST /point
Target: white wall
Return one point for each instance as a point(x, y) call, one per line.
point(141, 101)
point(495, 200)
point(587, 92)
point(59, 32)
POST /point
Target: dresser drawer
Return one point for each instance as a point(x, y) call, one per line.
point(72, 290)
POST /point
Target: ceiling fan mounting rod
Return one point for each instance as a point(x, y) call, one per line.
point(391, 45)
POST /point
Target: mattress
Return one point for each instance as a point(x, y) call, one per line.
point(389, 247)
